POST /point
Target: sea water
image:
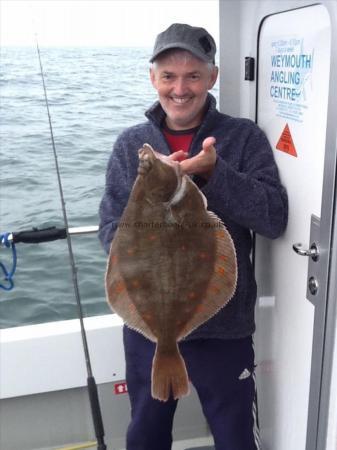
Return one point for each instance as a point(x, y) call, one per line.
point(93, 93)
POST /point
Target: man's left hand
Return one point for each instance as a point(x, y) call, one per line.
point(203, 163)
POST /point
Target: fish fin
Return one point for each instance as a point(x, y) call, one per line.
point(222, 284)
point(119, 300)
point(169, 375)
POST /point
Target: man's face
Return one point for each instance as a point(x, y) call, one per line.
point(182, 82)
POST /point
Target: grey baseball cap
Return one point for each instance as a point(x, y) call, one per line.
point(194, 39)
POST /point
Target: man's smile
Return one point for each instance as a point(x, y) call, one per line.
point(181, 100)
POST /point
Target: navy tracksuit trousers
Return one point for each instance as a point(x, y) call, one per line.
point(222, 372)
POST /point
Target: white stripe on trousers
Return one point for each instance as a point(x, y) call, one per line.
point(256, 430)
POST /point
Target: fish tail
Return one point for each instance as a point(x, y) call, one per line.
point(169, 374)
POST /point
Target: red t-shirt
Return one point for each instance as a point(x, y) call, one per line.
point(179, 139)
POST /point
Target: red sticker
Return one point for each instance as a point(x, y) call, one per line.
point(120, 388)
point(286, 143)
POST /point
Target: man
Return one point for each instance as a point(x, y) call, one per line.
point(232, 163)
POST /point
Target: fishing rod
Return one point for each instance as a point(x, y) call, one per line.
point(91, 383)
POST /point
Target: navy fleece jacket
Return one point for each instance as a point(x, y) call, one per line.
point(244, 190)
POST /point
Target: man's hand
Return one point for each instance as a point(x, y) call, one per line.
point(179, 156)
point(202, 164)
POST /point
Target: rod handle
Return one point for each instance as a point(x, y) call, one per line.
point(96, 413)
point(36, 235)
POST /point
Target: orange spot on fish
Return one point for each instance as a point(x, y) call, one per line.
point(200, 309)
point(203, 255)
point(214, 289)
point(120, 286)
point(135, 283)
point(220, 234)
point(222, 257)
point(131, 251)
point(191, 295)
point(147, 316)
point(113, 259)
point(152, 237)
point(220, 270)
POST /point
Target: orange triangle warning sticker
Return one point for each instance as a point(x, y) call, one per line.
point(285, 143)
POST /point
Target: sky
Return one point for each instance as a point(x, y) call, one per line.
point(99, 22)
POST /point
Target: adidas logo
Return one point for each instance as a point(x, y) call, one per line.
point(245, 374)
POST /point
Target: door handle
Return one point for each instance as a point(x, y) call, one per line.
point(313, 251)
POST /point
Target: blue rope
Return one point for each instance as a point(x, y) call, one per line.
point(8, 275)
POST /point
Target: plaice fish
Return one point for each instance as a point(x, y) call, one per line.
point(172, 265)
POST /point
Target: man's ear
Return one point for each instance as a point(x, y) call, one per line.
point(153, 77)
point(213, 77)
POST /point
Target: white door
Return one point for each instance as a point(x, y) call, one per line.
point(293, 89)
